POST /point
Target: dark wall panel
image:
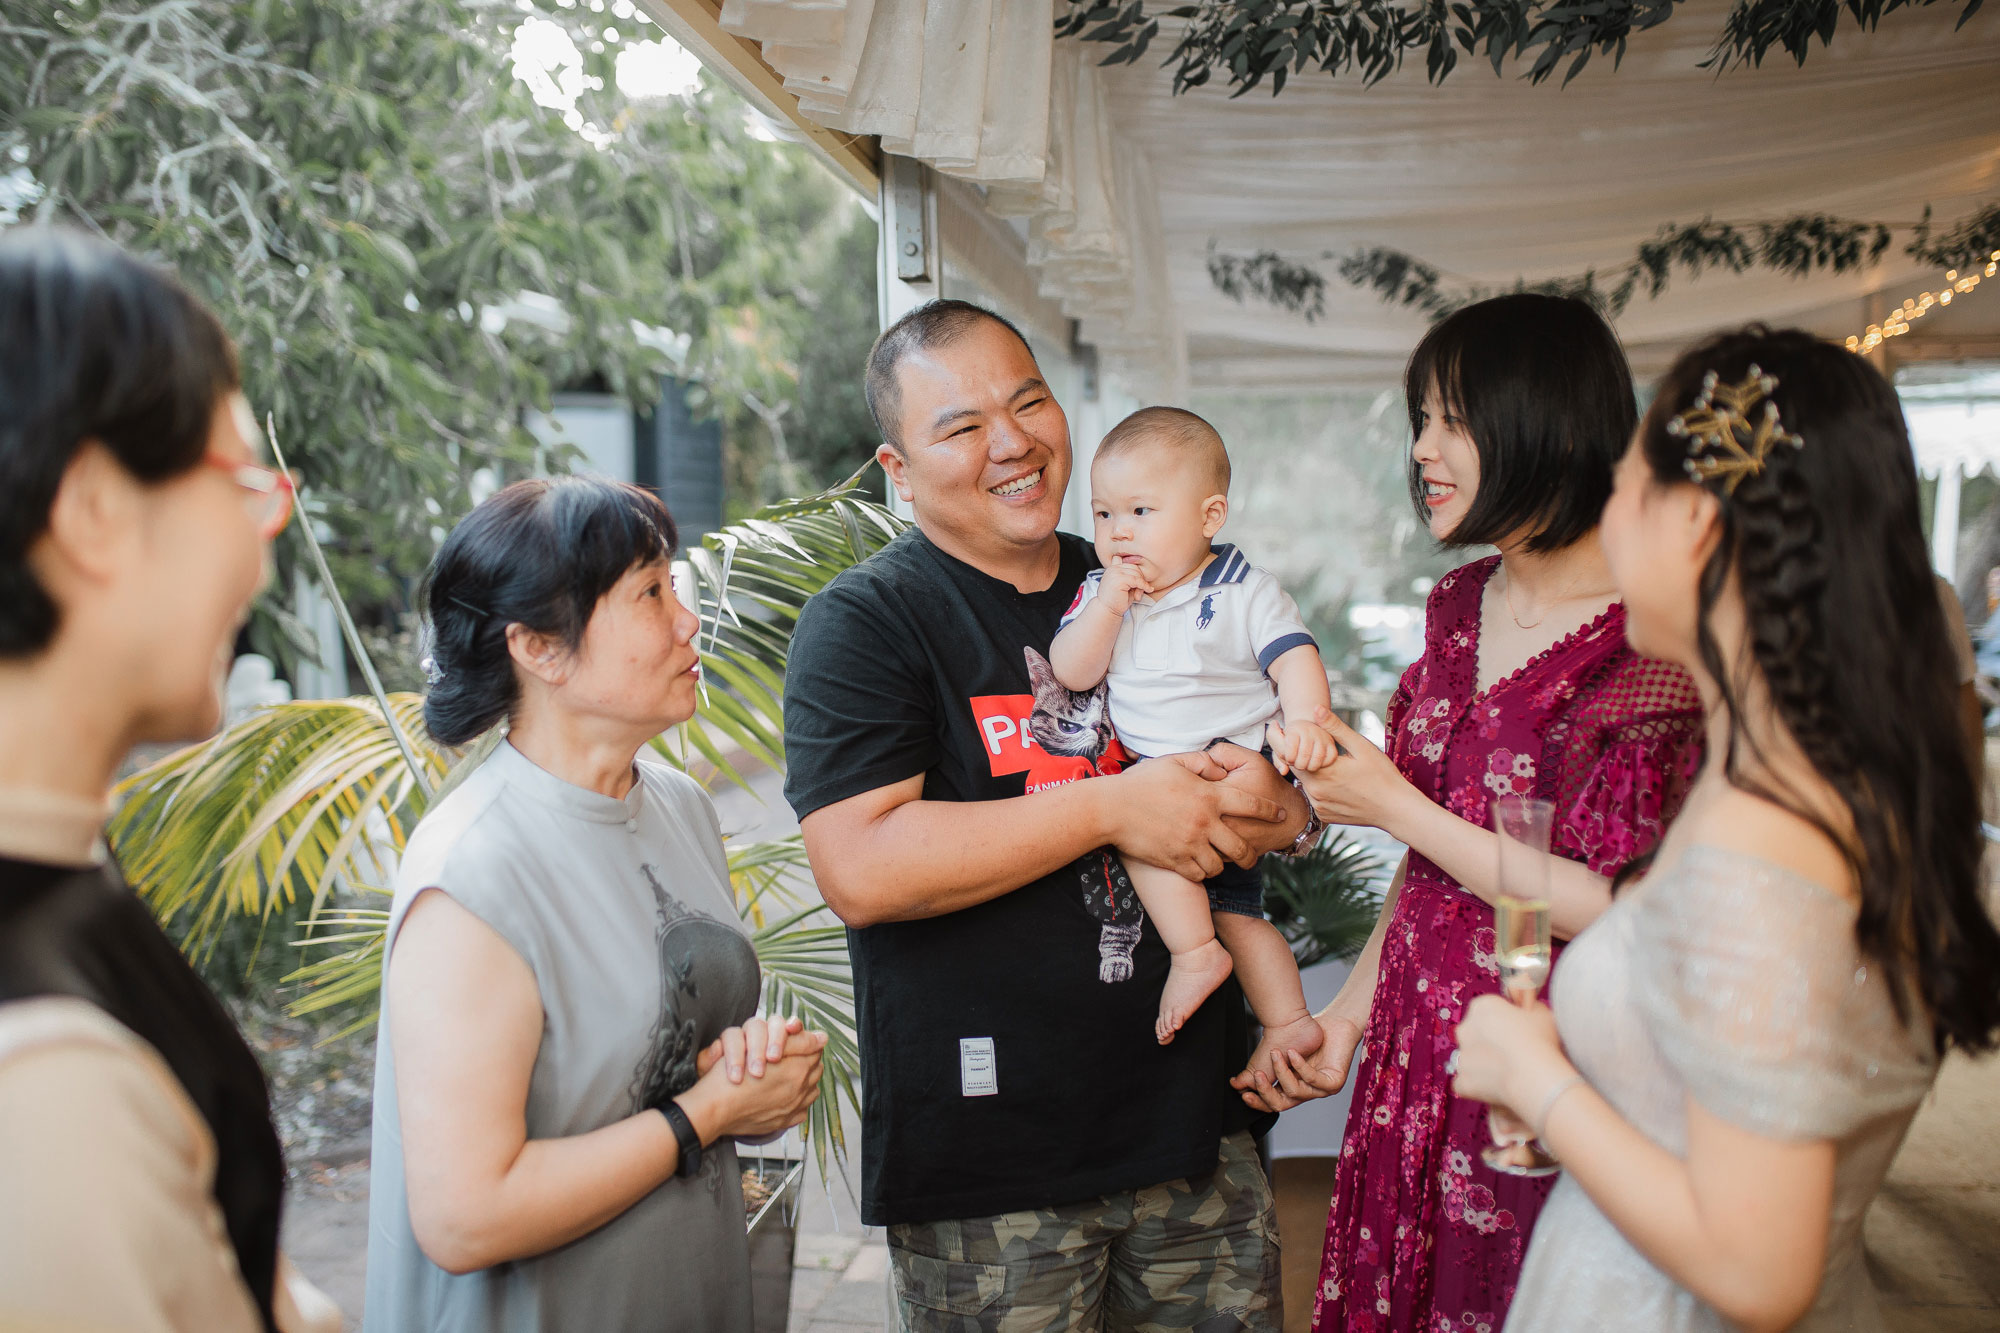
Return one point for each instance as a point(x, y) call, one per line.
point(681, 459)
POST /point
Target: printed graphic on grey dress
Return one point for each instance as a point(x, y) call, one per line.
point(708, 982)
point(1067, 723)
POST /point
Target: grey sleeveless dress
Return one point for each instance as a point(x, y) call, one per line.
point(622, 909)
point(1733, 981)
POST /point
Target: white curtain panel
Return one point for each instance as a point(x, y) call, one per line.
point(980, 91)
point(1946, 435)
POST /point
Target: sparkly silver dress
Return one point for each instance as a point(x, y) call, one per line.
point(1735, 982)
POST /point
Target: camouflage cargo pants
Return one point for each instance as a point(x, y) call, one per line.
point(1198, 1254)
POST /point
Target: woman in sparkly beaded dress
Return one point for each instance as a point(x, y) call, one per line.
point(1739, 1044)
point(1520, 407)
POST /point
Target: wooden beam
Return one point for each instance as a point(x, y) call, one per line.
point(697, 25)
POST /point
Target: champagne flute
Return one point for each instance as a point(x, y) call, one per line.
point(1522, 947)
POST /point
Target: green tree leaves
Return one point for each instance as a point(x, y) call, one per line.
point(362, 189)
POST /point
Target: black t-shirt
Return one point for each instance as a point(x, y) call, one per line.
point(998, 1071)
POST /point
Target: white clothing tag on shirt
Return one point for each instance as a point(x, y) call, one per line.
point(978, 1076)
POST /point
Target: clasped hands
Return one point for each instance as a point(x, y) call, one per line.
point(1232, 809)
point(764, 1075)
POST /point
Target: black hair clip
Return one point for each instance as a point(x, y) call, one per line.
point(465, 606)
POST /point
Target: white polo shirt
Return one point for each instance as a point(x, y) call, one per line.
point(1190, 667)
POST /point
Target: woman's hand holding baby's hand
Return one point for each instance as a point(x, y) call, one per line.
point(1303, 746)
point(1122, 585)
point(1363, 786)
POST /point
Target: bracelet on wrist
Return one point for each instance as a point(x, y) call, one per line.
point(1541, 1121)
point(685, 1134)
point(1309, 835)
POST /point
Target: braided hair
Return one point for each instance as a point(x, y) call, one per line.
point(1847, 631)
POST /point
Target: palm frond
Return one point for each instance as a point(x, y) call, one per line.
point(1325, 902)
point(751, 581)
point(807, 975)
point(281, 808)
point(351, 977)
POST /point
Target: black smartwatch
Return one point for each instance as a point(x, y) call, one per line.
point(684, 1131)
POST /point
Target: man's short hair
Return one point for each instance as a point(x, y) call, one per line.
point(932, 324)
point(1176, 429)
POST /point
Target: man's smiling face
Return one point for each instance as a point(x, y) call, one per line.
point(985, 454)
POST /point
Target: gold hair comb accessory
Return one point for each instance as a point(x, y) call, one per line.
point(1728, 436)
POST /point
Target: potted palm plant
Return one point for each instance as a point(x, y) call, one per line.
point(1325, 902)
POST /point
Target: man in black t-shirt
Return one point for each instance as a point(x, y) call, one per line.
point(1030, 1146)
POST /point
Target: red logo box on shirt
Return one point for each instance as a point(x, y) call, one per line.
point(1002, 720)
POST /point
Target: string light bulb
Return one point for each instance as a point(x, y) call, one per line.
point(1897, 321)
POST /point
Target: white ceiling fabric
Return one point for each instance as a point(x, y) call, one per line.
point(1494, 179)
point(1123, 185)
point(982, 92)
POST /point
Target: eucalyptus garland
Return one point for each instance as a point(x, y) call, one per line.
point(1248, 40)
point(1800, 246)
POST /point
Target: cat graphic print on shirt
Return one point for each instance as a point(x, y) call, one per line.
point(1074, 726)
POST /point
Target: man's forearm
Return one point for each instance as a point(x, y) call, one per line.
point(925, 858)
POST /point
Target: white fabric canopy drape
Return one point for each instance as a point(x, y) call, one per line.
point(1495, 179)
point(980, 91)
point(1119, 187)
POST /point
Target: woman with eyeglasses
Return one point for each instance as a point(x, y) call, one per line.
point(141, 1177)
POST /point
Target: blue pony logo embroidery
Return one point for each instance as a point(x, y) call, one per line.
point(1207, 612)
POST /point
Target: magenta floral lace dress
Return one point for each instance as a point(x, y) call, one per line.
point(1422, 1235)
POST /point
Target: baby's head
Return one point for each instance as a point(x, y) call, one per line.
point(1159, 492)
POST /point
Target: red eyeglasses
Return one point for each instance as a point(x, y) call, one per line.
point(268, 493)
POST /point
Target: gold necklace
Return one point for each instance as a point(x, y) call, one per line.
point(1507, 596)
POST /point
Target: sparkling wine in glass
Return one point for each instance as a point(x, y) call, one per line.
point(1521, 936)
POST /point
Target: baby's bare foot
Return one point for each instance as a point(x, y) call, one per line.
point(1301, 1034)
point(1192, 979)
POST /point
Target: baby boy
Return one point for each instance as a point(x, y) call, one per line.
point(1195, 645)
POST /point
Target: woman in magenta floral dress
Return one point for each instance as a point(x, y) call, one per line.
point(1520, 406)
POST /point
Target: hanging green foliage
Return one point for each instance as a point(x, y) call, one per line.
point(1799, 246)
point(1248, 40)
point(1271, 277)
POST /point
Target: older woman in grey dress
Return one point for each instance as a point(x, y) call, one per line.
point(1738, 1045)
point(568, 1045)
